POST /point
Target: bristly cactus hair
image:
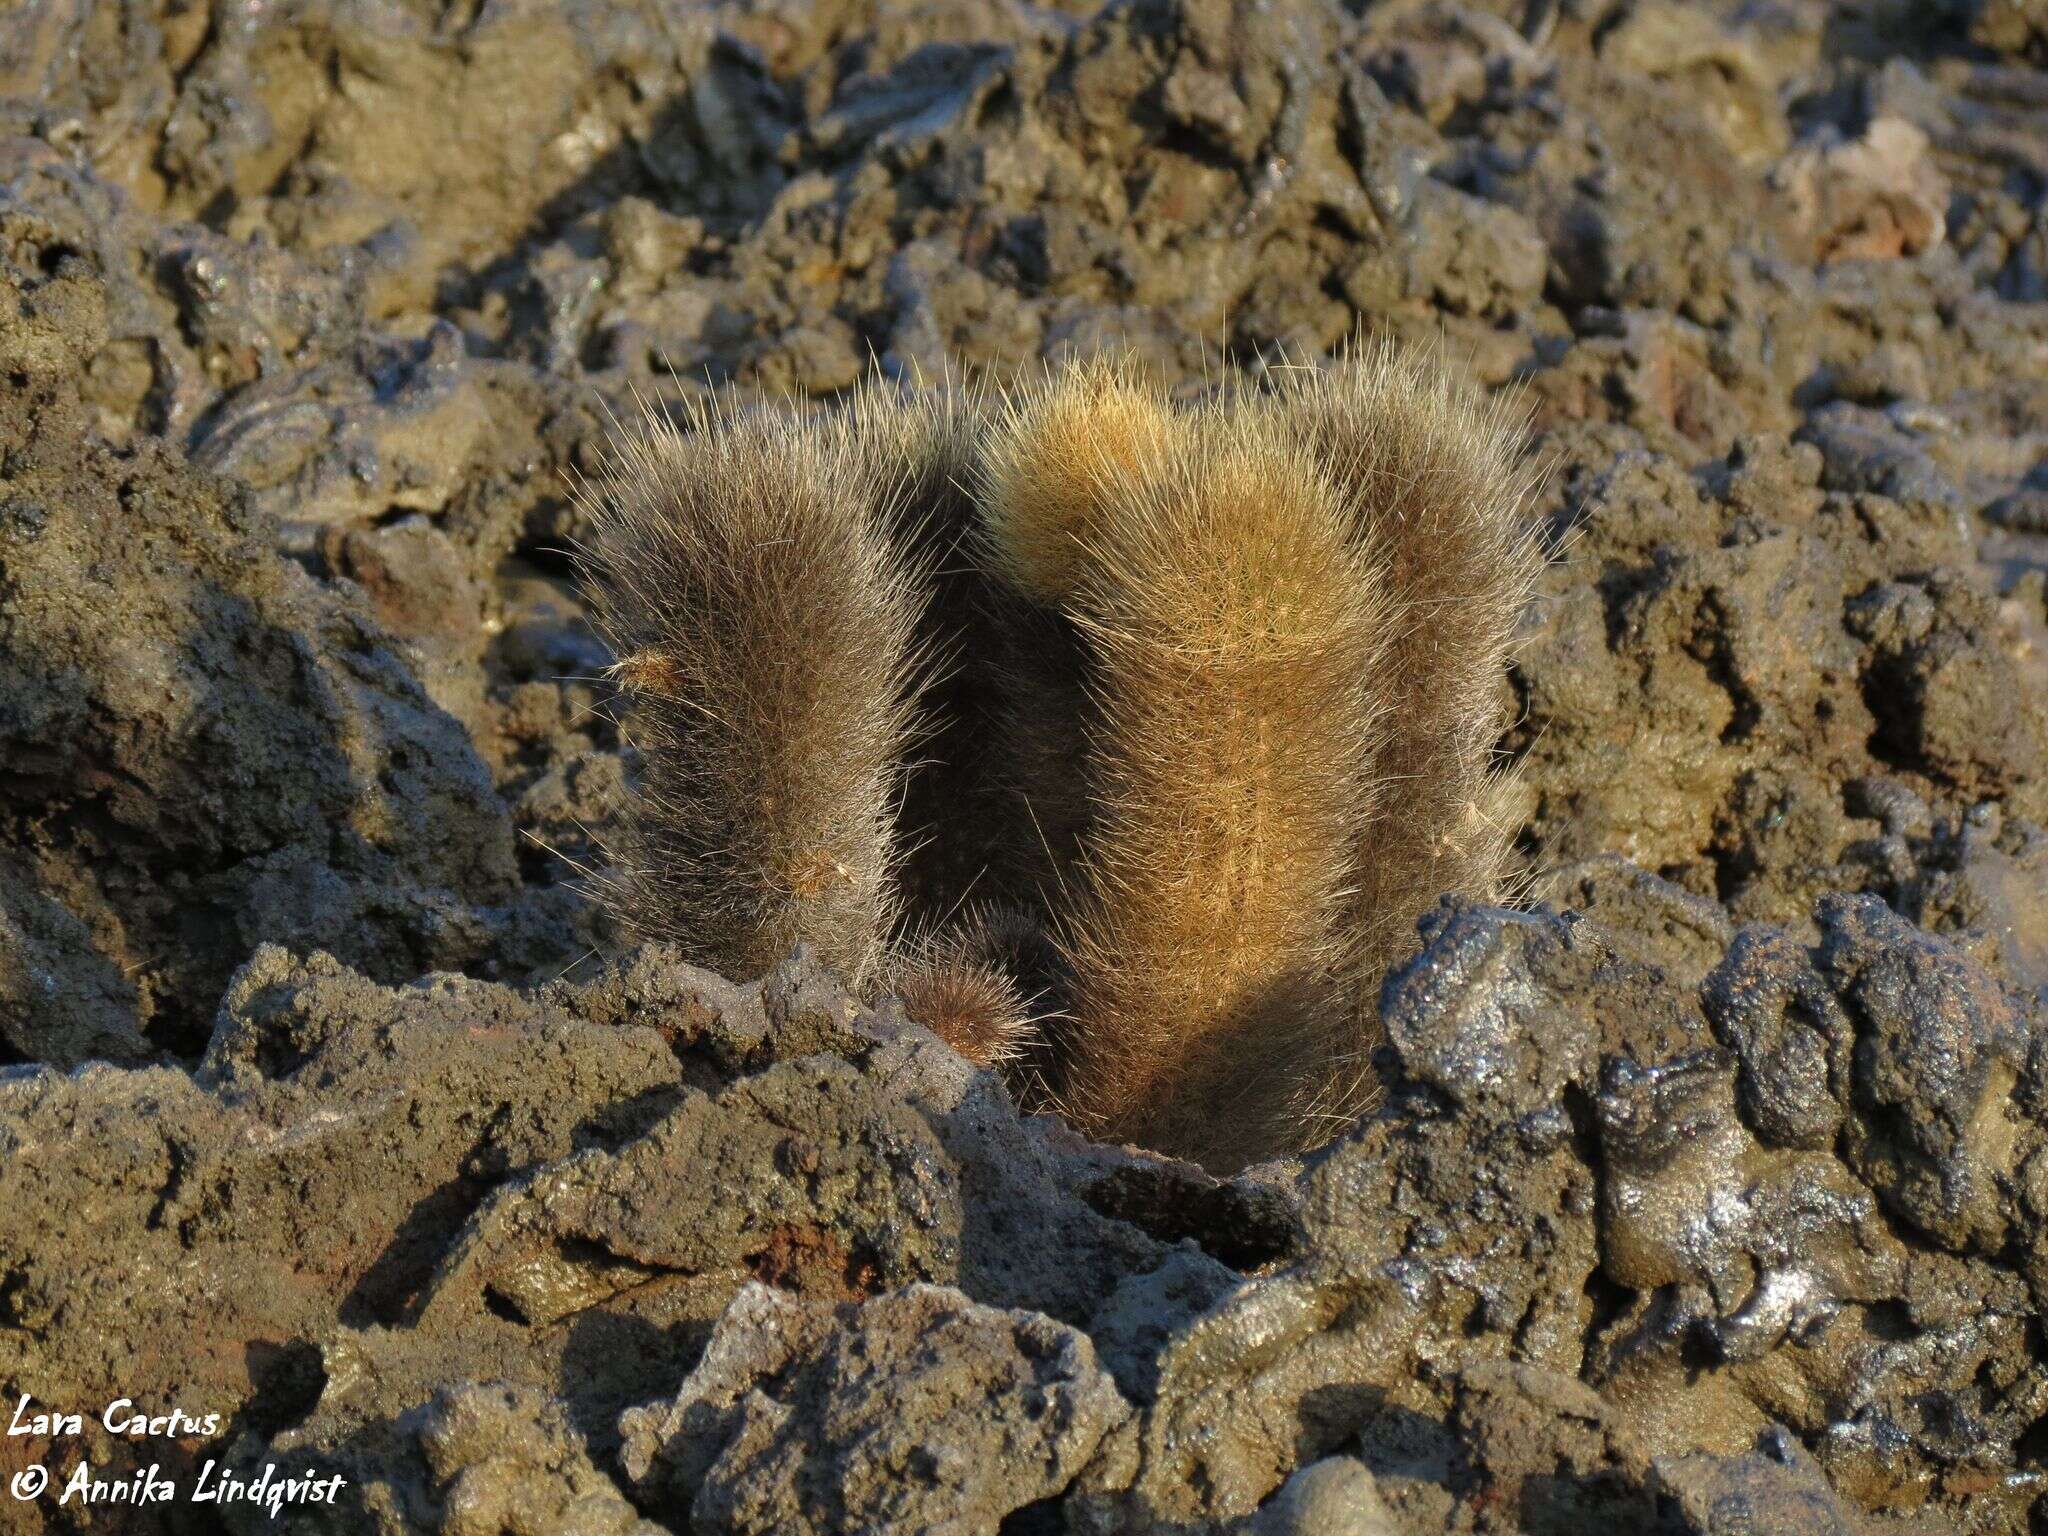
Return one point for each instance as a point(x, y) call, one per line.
point(1055, 457)
point(1248, 659)
point(1232, 632)
point(1433, 480)
point(1054, 463)
point(765, 623)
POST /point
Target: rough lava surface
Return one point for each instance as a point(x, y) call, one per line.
point(1709, 1190)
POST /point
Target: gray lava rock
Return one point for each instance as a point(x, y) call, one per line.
point(802, 1171)
point(1774, 1490)
point(1549, 1452)
point(507, 1459)
point(1332, 1497)
point(1773, 1009)
point(60, 1000)
point(1788, 641)
point(1690, 1200)
point(1866, 450)
point(334, 1142)
point(1644, 918)
point(204, 749)
point(918, 1410)
point(1940, 1051)
point(1463, 1027)
point(383, 1191)
point(2015, 27)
